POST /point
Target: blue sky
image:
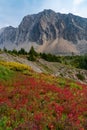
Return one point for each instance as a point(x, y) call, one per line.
point(12, 11)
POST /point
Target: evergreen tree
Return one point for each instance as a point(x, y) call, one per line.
point(32, 54)
point(4, 49)
point(22, 51)
point(14, 51)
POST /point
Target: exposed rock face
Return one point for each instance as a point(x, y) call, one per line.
point(7, 34)
point(50, 31)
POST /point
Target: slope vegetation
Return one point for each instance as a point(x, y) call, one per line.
point(33, 101)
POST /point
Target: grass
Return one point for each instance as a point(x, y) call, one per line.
point(5, 73)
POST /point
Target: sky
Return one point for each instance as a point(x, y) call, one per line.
point(13, 11)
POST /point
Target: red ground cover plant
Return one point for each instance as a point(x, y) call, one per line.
point(33, 104)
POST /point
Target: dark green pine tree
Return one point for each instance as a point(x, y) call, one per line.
point(32, 54)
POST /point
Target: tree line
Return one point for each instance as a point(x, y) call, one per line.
point(78, 61)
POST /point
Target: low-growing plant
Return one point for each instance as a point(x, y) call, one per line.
point(16, 66)
point(5, 73)
point(42, 102)
point(80, 76)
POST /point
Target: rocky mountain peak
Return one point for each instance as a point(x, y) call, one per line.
point(48, 29)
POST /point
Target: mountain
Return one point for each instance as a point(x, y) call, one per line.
point(48, 31)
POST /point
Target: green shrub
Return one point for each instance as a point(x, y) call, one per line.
point(3, 124)
point(5, 73)
point(80, 76)
point(22, 51)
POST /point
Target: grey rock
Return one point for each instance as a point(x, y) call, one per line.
point(7, 34)
point(47, 27)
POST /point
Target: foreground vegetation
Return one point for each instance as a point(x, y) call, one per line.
point(34, 101)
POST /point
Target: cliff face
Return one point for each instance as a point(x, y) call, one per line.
point(50, 32)
point(7, 34)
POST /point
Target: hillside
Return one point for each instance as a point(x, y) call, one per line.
point(39, 101)
point(53, 68)
point(48, 31)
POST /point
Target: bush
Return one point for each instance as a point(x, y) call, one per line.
point(16, 66)
point(49, 57)
point(83, 62)
point(80, 76)
point(5, 73)
point(22, 51)
point(14, 51)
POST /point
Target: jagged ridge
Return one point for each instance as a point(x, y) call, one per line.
point(49, 32)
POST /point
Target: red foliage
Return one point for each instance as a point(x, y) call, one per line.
point(45, 104)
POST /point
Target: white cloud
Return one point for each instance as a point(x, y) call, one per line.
point(78, 2)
